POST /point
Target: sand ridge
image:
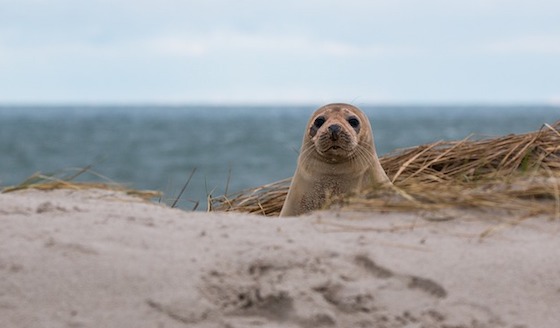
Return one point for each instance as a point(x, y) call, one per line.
point(97, 258)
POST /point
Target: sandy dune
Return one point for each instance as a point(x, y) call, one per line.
point(103, 259)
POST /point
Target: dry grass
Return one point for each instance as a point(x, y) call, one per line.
point(45, 182)
point(516, 173)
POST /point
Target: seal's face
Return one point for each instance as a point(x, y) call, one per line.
point(335, 131)
point(337, 157)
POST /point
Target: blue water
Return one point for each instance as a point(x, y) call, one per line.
point(155, 147)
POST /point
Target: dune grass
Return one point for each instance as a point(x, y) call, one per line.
point(67, 179)
point(518, 173)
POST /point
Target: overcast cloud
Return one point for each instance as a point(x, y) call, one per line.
point(217, 51)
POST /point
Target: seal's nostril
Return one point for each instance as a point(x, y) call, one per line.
point(334, 129)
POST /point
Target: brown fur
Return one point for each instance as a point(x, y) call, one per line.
point(337, 157)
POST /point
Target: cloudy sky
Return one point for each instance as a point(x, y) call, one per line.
point(288, 51)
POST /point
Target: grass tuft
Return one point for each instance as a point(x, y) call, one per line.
point(67, 180)
point(517, 173)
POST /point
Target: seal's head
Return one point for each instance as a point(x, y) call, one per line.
point(337, 157)
point(338, 132)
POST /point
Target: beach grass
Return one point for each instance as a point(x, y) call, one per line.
point(517, 173)
point(67, 179)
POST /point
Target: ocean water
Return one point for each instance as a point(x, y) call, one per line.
point(155, 147)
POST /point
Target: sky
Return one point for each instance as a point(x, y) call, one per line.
point(279, 52)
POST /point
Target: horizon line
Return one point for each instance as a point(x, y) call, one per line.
point(419, 104)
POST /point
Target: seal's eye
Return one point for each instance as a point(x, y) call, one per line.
point(319, 121)
point(354, 122)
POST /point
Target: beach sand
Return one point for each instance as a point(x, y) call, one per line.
point(98, 258)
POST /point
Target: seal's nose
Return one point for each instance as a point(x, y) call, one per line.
point(334, 130)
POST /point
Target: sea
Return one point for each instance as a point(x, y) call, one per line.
point(225, 148)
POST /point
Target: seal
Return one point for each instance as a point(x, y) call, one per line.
point(337, 157)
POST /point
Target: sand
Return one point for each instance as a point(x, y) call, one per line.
point(98, 258)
